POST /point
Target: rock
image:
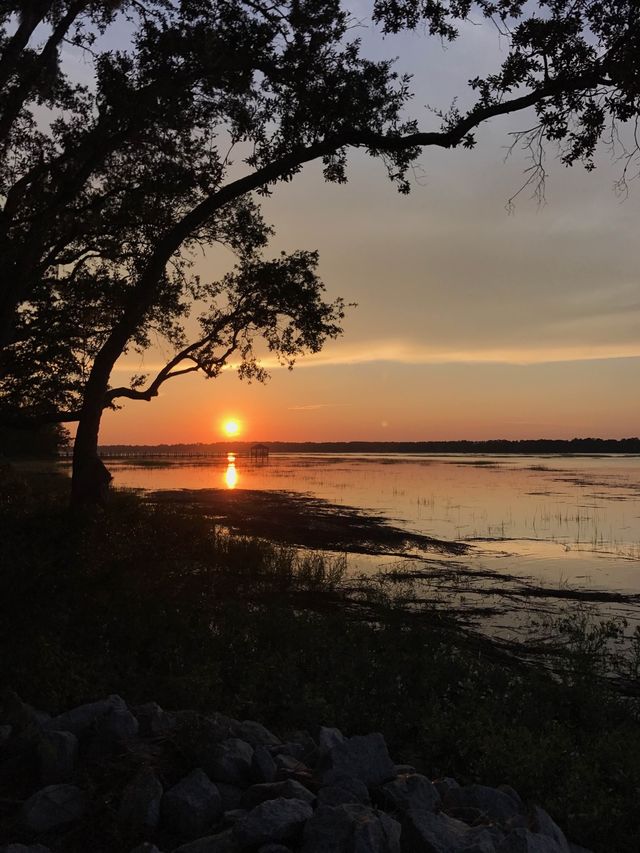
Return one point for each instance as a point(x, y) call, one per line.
point(234, 815)
point(52, 807)
point(425, 832)
point(230, 761)
point(295, 750)
point(57, 753)
point(350, 828)
point(575, 848)
point(81, 719)
point(274, 848)
point(524, 841)
point(444, 785)
point(192, 805)
point(544, 824)
point(115, 728)
point(287, 765)
point(492, 804)
point(288, 789)
point(273, 820)
point(231, 795)
point(410, 791)
point(255, 734)
point(308, 745)
point(140, 804)
point(344, 790)
point(152, 720)
point(145, 847)
point(263, 767)
point(221, 843)
point(5, 734)
point(364, 756)
point(25, 848)
point(403, 769)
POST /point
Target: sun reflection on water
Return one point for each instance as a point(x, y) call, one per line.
point(231, 472)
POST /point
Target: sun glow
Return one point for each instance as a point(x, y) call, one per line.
point(231, 427)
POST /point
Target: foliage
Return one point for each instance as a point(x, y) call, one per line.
point(112, 184)
point(158, 604)
point(42, 442)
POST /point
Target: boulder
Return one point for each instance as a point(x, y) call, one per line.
point(230, 761)
point(115, 728)
point(53, 807)
point(345, 789)
point(152, 720)
point(223, 842)
point(140, 804)
point(273, 820)
point(544, 824)
point(409, 791)
point(349, 828)
point(255, 734)
point(364, 756)
point(263, 767)
point(231, 795)
point(81, 720)
point(288, 789)
point(491, 803)
point(192, 805)
point(57, 754)
point(425, 832)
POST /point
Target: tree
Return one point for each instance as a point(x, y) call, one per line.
point(110, 187)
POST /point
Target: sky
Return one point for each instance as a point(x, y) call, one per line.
point(472, 322)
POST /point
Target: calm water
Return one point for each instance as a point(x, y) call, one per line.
point(563, 522)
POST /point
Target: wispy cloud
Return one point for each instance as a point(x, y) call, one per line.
point(312, 407)
point(406, 352)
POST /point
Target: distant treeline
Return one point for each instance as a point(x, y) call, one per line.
point(524, 446)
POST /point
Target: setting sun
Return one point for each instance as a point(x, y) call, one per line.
point(231, 427)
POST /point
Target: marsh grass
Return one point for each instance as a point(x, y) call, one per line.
point(157, 602)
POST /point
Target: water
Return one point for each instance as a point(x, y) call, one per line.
point(559, 522)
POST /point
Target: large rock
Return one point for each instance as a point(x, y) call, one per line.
point(491, 803)
point(223, 842)
point(231, 796)
point(152, 720)
point(289, 789)
point(263, 767)
point(192, 805)
point(524, 841)
point(425, 832)
point(53, 807)
point(345, 789)
point(230, 761)
point(410, 791)
point(351, 828)
point(57, 753)
point(115, 728)
point(273, 820)
point(544, 824)
point(364, 756)
point(81, 720)
point(140, 804)
point(255, 734)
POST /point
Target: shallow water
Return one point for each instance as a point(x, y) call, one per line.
point(560, 522)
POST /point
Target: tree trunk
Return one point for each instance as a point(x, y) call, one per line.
point(90, 478)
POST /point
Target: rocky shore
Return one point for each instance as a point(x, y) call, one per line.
point(105, 776)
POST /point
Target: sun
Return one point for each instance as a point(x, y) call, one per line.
point(231, 427)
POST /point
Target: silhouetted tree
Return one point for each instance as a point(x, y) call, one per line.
point(110, 185)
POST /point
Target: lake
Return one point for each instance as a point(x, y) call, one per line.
point(545, 531)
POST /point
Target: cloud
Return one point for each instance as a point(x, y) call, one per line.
point(312, 407)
